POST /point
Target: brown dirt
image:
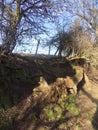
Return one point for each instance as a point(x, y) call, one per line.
point(29, 111)
point(87, 101)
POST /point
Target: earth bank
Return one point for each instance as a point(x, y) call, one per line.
point(47, 93)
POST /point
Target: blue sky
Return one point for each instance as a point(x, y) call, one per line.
point(32, 48)
point(52, 28)
point(32, 43)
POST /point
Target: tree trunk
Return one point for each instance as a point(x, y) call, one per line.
point(56, 52)
point(60, 50)
point(60, 53)
point(37, 47)
point(49, 49)
point(9, 43)
point(96, 31)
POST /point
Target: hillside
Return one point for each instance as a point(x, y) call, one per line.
point(47, 93)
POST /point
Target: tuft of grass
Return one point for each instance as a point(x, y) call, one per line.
point(58, 111)
point(71, 106)
point(50, 114)
point(71, 99)
point(6, 122)
point(34, 118)
point(62, 125)
point(91, 114)
point(54, 112)
point(77, 127)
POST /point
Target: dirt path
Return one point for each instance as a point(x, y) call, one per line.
point(87, 101)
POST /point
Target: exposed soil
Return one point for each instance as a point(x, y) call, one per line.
point(27, 111)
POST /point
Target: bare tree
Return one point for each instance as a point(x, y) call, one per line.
point(87, 10)
point(75, 41)
point(58, 41)
point(81, 42)
point(21, 19)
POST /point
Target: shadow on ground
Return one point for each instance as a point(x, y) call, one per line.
point(81, 86)
point(18, 77)
point(95, 116)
